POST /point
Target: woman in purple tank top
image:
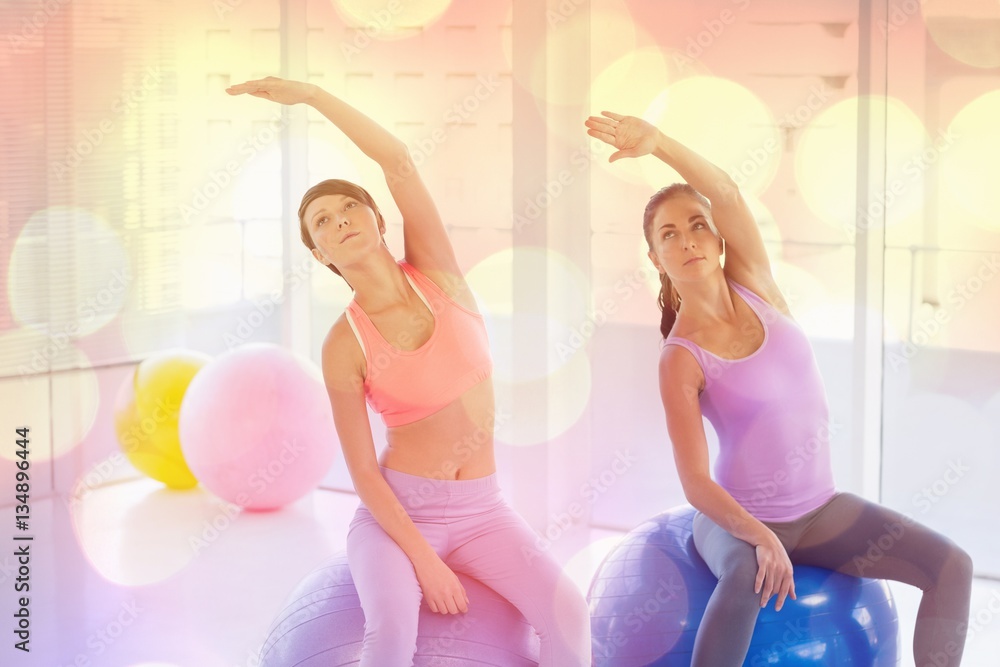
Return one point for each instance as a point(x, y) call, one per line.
point(733, 353)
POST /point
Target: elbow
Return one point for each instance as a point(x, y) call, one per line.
point(727, 191)
point(695, 486)
point(397, 156)
point(366, 479)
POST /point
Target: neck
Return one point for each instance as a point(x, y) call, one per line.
point(377, 280)
point(706, 301)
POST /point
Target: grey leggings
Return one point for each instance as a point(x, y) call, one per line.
point(838, 536)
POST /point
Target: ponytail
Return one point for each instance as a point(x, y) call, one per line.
point(669, 305)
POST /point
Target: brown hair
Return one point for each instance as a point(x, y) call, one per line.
point(335, 186)
point(667, 291)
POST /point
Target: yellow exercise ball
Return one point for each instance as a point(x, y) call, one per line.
point(147, 410)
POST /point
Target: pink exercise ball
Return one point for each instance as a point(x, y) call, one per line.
point(256, 427)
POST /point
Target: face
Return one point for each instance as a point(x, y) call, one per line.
point(342, 227)
point(685, 243)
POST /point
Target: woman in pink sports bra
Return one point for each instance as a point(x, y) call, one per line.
point(733, 353)
point(413, 345)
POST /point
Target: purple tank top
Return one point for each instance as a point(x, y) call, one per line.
point(770, 412)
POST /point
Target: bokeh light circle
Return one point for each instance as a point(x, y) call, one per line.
point(724, 122)
point(139, 533)
point(614, 89)
point(393, 20)
point(546, 407)
point(584, 563)
point(966, 31)
point(69, 273)
point(969, 165)
point(73, 395)
point(563, 312)
point(826, 164)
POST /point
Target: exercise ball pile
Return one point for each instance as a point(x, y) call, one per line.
point(146, 414)
point(253, 426)
point(322, 624)
point(648, 596)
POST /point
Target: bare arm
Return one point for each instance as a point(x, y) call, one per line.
point(746, 258)
point(344, 377)
point(425, 239)
point(680, 381)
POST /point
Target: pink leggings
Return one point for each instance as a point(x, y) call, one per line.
point(474, 531)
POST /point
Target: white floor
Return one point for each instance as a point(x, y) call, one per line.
point(139, 576)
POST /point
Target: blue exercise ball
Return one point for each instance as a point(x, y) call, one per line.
point(323, 624)
point(648, 596)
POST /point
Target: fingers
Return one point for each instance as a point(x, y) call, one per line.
point(769, 588)
point(782, 594)
point(612, 115)
point(252, 86)
point(603, 136)
point(598, 123)
point(452, 607)
point(760, 579)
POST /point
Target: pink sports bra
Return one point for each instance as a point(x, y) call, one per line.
point(406, 385)
point(770, 412)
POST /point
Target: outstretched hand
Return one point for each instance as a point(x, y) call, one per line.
point(633, 137)
point(283, 91)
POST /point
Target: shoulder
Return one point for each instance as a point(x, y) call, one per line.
point(342, 356)
point(450, 283)
point(764, 287)
point(679, 367)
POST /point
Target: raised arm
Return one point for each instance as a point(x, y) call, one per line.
point(425, 240)
point(343, 373)
point(746, 258)
point(680, 380)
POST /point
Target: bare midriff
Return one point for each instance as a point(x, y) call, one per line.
point(456, 442)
